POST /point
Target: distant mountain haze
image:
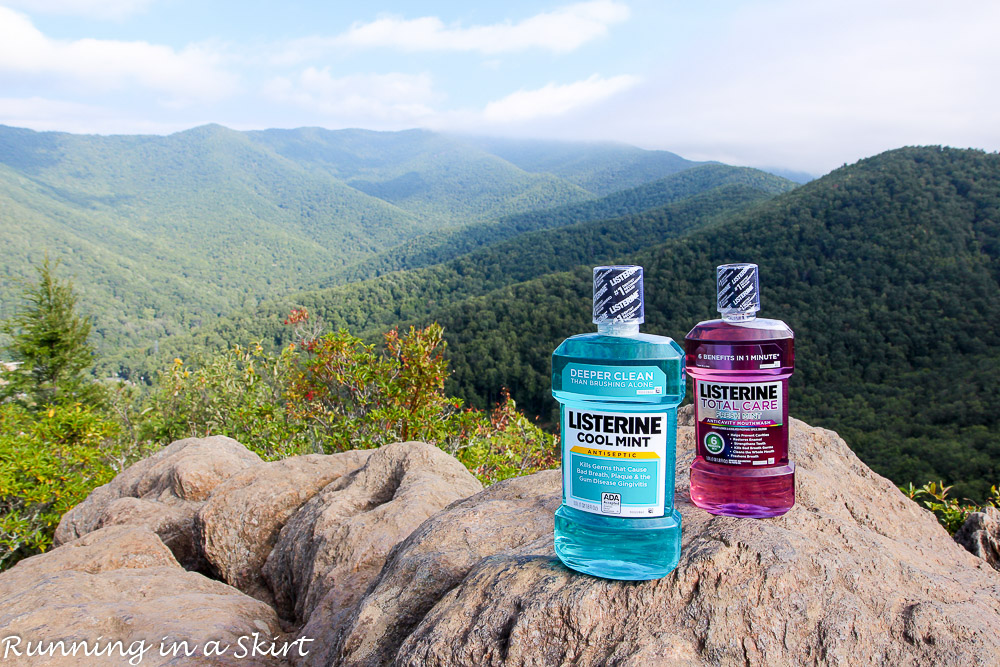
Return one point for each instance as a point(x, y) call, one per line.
point(162, 234)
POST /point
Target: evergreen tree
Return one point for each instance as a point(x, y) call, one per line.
point(49, 339)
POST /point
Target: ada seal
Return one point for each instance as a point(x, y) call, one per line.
point(714, 443)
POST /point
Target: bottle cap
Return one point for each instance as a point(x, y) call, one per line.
point(618, 294)
point(739, 291)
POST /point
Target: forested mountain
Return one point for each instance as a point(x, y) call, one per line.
point(162, 234)
point(601, 168)
point(441, 246)
point(888, 272)
point(433, 176)
point(371, 306)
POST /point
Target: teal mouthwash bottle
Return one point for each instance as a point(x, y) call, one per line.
point(618, 392)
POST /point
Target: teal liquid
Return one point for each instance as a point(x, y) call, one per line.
point(609, 546)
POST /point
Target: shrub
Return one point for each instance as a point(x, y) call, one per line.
point(334, 392)
point(950, 512)
point(239, 393)
point(506, 444)
point(355, 396)
point(49, 462)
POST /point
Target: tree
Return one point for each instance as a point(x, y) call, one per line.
point(49, 339)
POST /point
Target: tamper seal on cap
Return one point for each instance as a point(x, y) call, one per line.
point(618, 295)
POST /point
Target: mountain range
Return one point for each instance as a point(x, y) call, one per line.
point(164, 234)
point(888, 269)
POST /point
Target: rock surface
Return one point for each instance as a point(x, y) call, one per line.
point(239, 524)
point(330, 550)
point(980, 535)
point(173, 483)
point(436, 556)
point(122, 583)
point(173, 523)
point(854, 574)
point(388, 558)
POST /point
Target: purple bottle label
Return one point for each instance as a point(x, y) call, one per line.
point(737, 356)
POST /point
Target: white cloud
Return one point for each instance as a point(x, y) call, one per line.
point(40, 113)
point(555, 99)
point(396, 100)
point(814, 85)
point(99, 9)
point(193, 73)
point(560, 31)
point(363, 99)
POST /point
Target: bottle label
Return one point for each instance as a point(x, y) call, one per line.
point(613, 462)
point(737, 356)
point(741, 423)
point(647, 382)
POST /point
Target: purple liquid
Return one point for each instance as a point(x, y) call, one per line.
point(759, 479)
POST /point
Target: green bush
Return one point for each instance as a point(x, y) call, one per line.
point(506, 444)
point(239, 393)
point(331, 393)
point(49, 461)
point(950, 512)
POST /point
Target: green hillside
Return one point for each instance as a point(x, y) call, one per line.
point(433, 176)
point(164, 234)
point(599, 167)
point(374, 305)
point(441, 246)
point(887, 270)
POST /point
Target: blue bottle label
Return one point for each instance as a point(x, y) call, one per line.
point(613, 462)
point(614, 381)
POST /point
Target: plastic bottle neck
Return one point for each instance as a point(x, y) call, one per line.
point(626, 328)
point(736, 316)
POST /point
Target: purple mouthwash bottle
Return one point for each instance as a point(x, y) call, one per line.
point(740, 366)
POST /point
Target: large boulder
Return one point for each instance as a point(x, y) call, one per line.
point(387, 557)
point(980, 535)
point(239, 524)
point(438, 555)
point(330, 550)
point(170, 487)
point(172, 522)
point(121, 583)
point(855, 573)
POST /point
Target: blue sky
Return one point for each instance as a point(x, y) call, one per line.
point(787, 83)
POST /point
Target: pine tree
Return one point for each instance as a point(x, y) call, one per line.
point(49, 340)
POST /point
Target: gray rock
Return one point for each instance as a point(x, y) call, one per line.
point(980, 535)
point(239, 524)
point(330, 550)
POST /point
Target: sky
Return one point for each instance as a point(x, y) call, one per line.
point(805, 86)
